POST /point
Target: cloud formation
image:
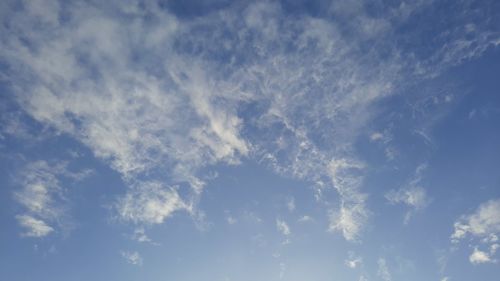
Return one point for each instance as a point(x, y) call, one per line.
point(481, 227)
point(479, 256)
point(149, 203)
point(34, 227)
point(413, 195)
point(133, 258)
point(352, 214)
point(283, 227)
point(483, 223)
point(151, 93)
point(42, 197)
point(383, 270)
point(353, 261)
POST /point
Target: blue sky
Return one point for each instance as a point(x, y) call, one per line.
point(237, 140)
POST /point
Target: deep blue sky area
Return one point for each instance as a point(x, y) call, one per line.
point(236, 140)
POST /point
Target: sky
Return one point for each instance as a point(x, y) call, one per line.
point(250, 140)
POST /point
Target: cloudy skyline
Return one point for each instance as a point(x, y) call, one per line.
point(235, 140)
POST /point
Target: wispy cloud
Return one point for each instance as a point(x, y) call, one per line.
point(479, 256)
point(150, 94)
point(305, 218)
point(353, 261)
point(149, 203)
point(413, 195)
point(482, 227)
point(43, 199)
point(283, 227)
point(483, 223)
point(383, 270)
point(140, 235)
point(385, 138)
point(282, 270)
point(290, 204)
point(34, 227)
point(376, 136)
point(352, 214)
point(132, 257)
point(231, 220)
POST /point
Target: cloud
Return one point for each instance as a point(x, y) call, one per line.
point(283, 227)
point(282, 269)
point(412, 195)
point(385, 138)
point(149, 203)
point(110, 113)
point(348, 220)
point(352, 214)
point(484, 222)
point(383, 270)
point(231, 220)
point(252, 217)
point(353, 261)
point(291, 204)
point(376, 136)
point(42, 197)
point(34, 227)
point(479, 256)
point(305, 218)
point(152, 94)
point(362, 278)
point(132, 257)
point(482, 226)
point(139, 235)
point(494, 248)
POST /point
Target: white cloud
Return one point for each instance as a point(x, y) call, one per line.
point(385, 138)
point(491, 238)
point(376, 136)
point(479, 256)
point(349, 220)
point(291, 204)
point(412, 195)
point(132, 257)
point(40, 185)
point(110, 114)
point(383, 270)
point(353, 261)
point(482, 226)
point(494, 248)
point(149, 203)
point(352, 214)
point(139, 235)
point(231, 220)
point(34, 227)
point(484, 222)
point(173, 109)
point(391, 153)
point(283, 227)
point(42, 197)
point(252, 216)
point(305, 218)
point(282, 269)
